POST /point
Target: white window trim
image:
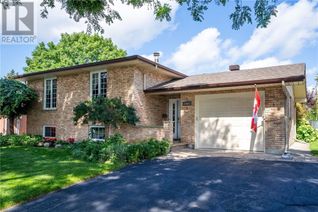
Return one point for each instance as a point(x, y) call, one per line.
point(91, 81)
point(43, 131)
point(96, 126)
point(44, 97)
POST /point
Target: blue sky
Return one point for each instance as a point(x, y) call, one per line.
point(196, 47)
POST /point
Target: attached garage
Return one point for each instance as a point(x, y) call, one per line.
point(223, 121)
point(216, 108)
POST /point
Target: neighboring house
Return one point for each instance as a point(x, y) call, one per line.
point(207, 110)
point(19, 125)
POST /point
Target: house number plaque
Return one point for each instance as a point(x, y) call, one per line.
point(187, 103)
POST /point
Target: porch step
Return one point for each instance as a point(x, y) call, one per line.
point(179, 146)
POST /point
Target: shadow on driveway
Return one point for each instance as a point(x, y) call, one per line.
point(195, 184)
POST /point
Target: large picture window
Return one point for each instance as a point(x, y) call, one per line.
point(50, 93)
point(98, 83)
point(97, 133)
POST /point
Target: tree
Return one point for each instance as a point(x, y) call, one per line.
point(15, 100)
point(11, 74)
point(72, 49)
point(94, 11)
point(110, 112)
point(311, 97)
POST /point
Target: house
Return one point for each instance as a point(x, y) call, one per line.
point(19, 125)
point(206, 110)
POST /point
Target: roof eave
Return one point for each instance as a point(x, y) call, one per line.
point(225, 85)
point(100, 63)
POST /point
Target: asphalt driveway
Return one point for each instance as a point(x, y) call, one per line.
point(195, 184)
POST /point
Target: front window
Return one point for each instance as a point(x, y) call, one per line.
point(49, 132)
point(97, 133)
point(99, 84)
point(50, 93)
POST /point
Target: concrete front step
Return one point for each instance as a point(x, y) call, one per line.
point(180, 145)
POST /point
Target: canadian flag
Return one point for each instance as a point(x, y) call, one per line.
point(257, 104)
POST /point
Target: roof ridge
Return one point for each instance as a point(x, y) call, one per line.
point(248, 69)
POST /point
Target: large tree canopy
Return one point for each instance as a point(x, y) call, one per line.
point(94, 11)
point(15, 99)
point(72, 49)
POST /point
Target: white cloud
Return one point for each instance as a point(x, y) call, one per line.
point(294, 27)
point(138, 26)
point(201, 53)
point(270, 61)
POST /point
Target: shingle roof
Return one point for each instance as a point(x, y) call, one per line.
point(274, 74)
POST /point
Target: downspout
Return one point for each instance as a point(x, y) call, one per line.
point(286, 154)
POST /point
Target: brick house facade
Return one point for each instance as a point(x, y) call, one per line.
point(167, 101)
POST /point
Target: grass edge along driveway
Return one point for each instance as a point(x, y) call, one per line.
point(28, 172)
point(314, 148)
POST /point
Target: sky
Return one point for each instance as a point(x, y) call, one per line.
point(194, 47)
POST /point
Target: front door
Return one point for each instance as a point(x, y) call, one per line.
point(174, 116)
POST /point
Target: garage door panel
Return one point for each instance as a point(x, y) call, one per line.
point(224, 123)
point(221, 107)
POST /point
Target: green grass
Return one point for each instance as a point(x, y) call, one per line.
point(314, 148)
point(28, 172)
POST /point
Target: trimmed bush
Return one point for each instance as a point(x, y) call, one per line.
point(20, 140)
point(116, 149)
point(135, 153)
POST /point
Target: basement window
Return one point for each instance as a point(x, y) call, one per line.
point(49, 132)
point(97, 133)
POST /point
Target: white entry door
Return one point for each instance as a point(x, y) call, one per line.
point(174, 116)
point(223, 122)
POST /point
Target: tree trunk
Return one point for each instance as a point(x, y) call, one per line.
point(11, 125)
point(109, 131)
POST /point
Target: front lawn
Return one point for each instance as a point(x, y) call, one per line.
point(27, 172)
point(314, 148)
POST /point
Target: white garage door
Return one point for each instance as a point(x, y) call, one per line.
point(223, 122)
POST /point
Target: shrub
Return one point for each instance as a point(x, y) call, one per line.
point(306, 132)
point(116, 139)
point(50, 140)
point(146, 150)
point(31, 140)
point(313, 113)
point(116, 149)
point(134, 153)
point(62, 142)
point(70, 140)
point(4, 141)
point(301, 111)
point(20, 140)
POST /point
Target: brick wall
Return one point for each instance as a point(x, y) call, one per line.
point(71, 89)
point(137, 133)
point(187, 114)
point(124, 82)
point(274, 120)
point(129, 84)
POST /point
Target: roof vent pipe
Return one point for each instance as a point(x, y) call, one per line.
point(156, 57)
point(234, 67)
